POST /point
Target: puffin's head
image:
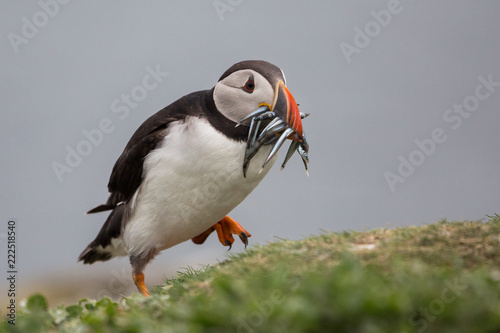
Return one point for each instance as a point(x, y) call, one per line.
point(254, 93)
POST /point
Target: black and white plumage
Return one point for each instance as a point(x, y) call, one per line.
point(190, 164)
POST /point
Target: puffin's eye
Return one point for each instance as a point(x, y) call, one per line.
point(249, 85)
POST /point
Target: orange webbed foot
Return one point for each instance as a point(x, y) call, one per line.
point(225, 229)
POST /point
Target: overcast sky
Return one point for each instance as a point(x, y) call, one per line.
point(404, 100)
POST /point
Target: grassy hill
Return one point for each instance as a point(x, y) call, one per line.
point(443, 277)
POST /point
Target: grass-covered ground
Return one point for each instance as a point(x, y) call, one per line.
point(443, 277)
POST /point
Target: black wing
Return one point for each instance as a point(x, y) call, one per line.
point(127, 171)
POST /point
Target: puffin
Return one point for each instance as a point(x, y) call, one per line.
point(190, 164)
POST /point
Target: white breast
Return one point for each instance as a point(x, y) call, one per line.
point(192, 181)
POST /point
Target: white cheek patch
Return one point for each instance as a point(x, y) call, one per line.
point(235, 103)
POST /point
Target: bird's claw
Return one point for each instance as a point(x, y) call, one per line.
point(225, 229)
point(244, 239)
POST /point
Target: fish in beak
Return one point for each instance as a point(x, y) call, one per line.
point(284, 121)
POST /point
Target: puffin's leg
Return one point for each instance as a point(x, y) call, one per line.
point(224, 228)
point(201, 238)
point(139, 282)
point(138, 263)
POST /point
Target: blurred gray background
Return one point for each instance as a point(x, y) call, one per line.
point(375, 75)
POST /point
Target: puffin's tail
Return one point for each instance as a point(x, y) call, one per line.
point(108, 243)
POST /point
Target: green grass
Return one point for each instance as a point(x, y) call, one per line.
point(443, 277)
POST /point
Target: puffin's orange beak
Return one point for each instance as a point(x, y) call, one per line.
point(285, 107)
